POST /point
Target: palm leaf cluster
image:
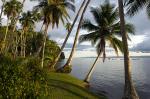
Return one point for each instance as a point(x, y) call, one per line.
point(133, 6)
point(105, 29)
point(54, 10)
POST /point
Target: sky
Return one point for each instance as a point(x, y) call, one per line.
point(140, 42)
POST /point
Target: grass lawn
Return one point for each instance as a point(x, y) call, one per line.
point(64, 86)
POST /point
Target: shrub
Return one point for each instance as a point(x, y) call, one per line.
point(22, 78)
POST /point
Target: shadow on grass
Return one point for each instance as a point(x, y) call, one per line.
point(72, 88)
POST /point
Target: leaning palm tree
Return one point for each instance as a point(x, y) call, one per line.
point(68, 63)
point(129, 90)
point(53, 11)
point(105, 31)
point(68, 35)
point(11, 9)
point(27, 21)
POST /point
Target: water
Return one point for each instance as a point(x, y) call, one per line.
point(108, 77)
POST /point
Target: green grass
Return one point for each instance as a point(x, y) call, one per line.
point(64, 86)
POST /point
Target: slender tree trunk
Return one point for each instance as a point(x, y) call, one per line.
point(40, 48)
point(77, 35)
point(24, 44)
point(2, 8)
point(87, 78)
point(5, 37)
point(44, 43)
point(129, 90)
point(14, 29)
point(21, 42)
point(66, 39)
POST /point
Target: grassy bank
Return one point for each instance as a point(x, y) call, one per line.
point(64, 86)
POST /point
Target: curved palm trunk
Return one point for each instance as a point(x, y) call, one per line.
point(77, 35)
point(70, 30)
point(5, 37)
point(44, 43)
point(87, 78)
point(129, 90)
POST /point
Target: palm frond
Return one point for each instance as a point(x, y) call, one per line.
point(86, 24)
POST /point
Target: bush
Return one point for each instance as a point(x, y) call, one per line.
point(66, 69)
point(22, 79)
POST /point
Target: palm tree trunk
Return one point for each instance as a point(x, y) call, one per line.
point(44, 43)
point(2, 8)
point(21, 42)
point(87, 78)
point(40, 48)
point(77, 35)
point(24, 45)
point(68, 35)
point(5, 37)
point(14, 29)
point(129, 90)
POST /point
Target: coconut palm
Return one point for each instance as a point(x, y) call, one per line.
point(27, 21)
point(11, 9)
point(68, 63)
point(105, 31)
point(53, 11)
point(68, 35)
point(133, 6)
point(129, 90)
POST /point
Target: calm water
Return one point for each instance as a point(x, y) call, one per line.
point(109, 76)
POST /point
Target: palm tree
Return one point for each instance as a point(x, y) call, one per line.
point(105, 31)
point(11, 9)
point(17, 17)
point(68, 35)
point(133, 6)
point(68, 63)
point(27, 21)
point(53, 11)
point(129, 90)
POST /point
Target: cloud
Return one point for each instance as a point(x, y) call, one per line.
point(141, 22)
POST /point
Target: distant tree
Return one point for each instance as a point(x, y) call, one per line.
point(27, 21)
point(11, 9)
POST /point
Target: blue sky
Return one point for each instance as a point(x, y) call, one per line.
point(139, 42)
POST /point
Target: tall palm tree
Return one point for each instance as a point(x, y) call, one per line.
point(133, 6)
point(27, 21)
point(129, 90)
point(68, 63)
point(68, 35)
point(11, 9)
point(105, 31)
point(53, 11)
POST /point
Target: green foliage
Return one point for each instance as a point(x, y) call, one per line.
point(65, 69)
point(22, 78)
